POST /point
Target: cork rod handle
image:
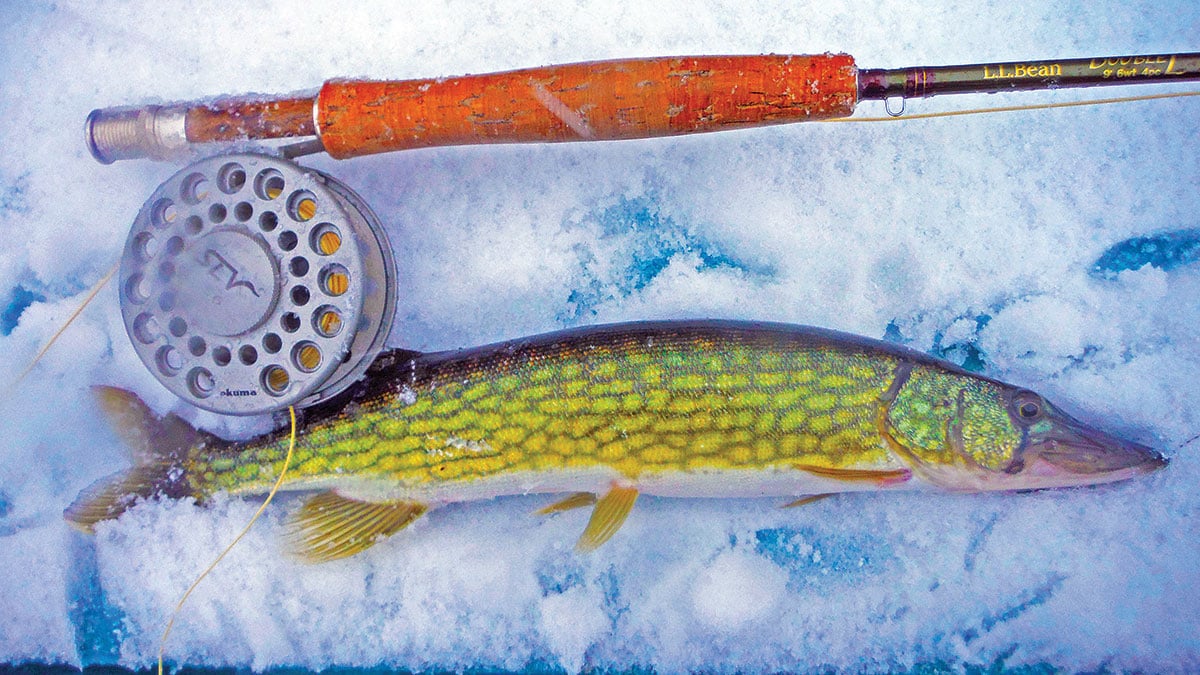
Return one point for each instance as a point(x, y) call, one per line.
point(600, 100)
point(605, 100)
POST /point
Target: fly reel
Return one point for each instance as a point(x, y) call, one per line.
point(249, 283)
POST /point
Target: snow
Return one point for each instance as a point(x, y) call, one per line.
point(1054, 249)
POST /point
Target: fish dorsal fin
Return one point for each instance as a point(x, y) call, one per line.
point(881, 477)
point(575, 501)
point(330, 526)
point(809, 499)
point(608, 516)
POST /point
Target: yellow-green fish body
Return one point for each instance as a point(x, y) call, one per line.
point(636, 404)
point(681, 409)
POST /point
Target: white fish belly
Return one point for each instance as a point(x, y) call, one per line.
point(734, 484)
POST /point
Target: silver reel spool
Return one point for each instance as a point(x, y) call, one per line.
point(250, 283)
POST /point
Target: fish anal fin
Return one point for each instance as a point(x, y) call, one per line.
point(608, 516)
point(809, 499)
point(575, 501)
point(880, 477)
point(330, 526)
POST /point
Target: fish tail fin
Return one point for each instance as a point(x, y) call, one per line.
point(158, 447)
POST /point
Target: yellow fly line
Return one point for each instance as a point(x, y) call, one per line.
point(74, 315)
point(162, 645)
point(1015, 108)
point(286, 461)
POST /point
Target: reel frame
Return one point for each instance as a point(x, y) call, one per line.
point(249, 283)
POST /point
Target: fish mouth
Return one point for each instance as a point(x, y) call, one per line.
point(1071, 453)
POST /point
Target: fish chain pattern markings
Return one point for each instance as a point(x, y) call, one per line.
point(638, 406)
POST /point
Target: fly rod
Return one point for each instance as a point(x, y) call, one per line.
point(600, 100)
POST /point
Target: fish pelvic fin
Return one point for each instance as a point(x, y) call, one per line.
point(608, 516)
point(330, 526)
point(158, 447)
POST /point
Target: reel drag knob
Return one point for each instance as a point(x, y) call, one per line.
point(249, 283)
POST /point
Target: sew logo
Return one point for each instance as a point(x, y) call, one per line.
point(220, 268)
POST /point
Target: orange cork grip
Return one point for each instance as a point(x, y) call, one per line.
point(603, 100)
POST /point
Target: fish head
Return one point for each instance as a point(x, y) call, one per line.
point(1058, 450)
point(964, 432)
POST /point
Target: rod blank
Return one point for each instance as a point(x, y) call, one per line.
point(926, 81)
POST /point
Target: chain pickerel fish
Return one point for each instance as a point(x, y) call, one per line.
point(601, 414)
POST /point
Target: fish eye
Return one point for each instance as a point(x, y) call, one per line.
point(1028, 406)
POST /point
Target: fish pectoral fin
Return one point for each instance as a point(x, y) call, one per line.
point(809, 499)
point(608, 516)
point(330, 526)
point(881, 477)
point(575, 501)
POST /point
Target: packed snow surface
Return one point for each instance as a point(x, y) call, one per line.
point(1054, 249)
